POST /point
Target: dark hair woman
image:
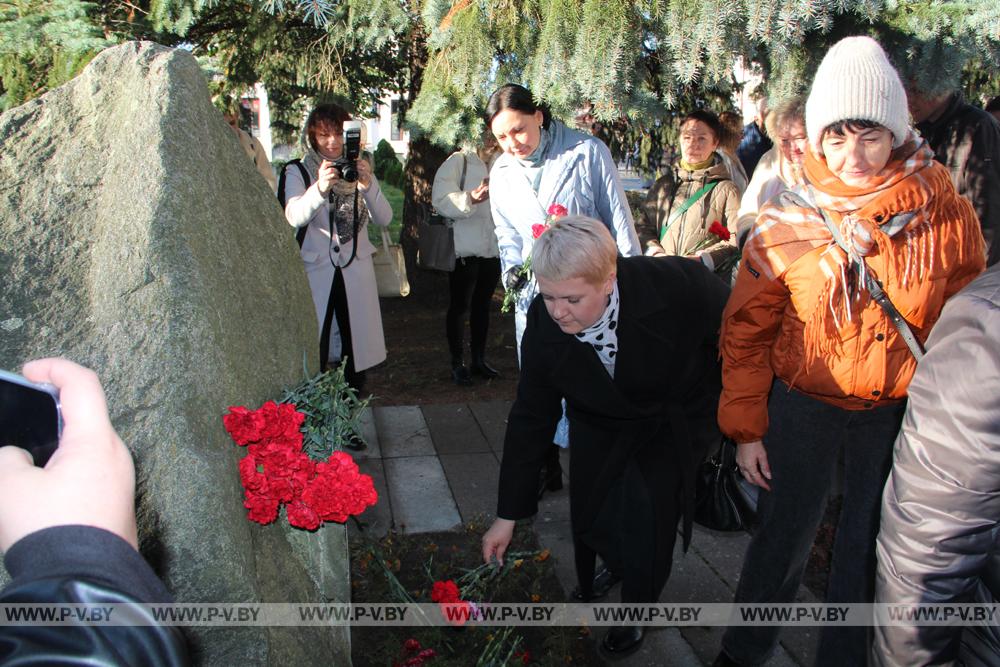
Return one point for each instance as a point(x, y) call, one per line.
point(813, 364)
point(691, 211)
point(546, 166)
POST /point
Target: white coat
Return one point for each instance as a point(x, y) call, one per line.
point(473, 223)
point(320, 251)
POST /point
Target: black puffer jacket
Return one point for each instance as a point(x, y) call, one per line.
point(80, 565)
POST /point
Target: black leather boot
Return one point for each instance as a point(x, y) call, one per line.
point(619, 642)
point(459, 373)
point(480, 367)
point(604, 581)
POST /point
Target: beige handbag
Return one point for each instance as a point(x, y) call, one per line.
point(390, 269)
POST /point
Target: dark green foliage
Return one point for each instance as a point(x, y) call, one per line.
point(332, 409)
point(384, 156)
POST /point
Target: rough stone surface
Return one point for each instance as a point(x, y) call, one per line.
point(137, 239)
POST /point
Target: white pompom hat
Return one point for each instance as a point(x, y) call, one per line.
point(856, 81)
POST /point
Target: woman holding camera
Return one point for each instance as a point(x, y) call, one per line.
point(335, 213)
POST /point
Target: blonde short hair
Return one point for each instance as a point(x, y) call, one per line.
point(575, 247)
point(790, 111)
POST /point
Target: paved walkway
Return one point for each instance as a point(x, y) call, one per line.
point(436, 467)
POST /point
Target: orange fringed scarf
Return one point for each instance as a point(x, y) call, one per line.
point(896, 204)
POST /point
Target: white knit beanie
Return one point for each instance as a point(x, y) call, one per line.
point(856, 81)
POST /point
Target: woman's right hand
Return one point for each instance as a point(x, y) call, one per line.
point(654, 249)
point(497, 539)
point(751, 458)
point(326, 178)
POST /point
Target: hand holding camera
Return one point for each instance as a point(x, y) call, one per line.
point(90, 480)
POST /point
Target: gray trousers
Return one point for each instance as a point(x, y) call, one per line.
point(804, 441)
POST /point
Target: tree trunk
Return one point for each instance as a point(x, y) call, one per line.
point(421, 164)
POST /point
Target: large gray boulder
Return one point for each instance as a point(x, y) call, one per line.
point(137, 239)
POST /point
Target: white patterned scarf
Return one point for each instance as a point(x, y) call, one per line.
point(602, 335)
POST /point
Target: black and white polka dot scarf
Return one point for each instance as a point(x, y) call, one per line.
point(603, 334)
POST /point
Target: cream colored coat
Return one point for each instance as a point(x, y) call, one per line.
point(307, 207)
point(473, 223)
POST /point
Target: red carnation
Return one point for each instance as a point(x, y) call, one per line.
point(557, 211)
point(263, 509)
point(411, 645)
point(445, 591)
point(244, 426)
point(719, 230)
point(427, 654)
point(301, 515)
point(538, 230)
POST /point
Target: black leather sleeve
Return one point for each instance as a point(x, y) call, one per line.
point(77, 565)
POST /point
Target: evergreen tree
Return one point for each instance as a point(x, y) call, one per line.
point(632, 65)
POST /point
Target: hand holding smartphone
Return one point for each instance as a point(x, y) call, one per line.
point(30, 416)
point(89, 481)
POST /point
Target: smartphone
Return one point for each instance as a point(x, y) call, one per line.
point(30, 416)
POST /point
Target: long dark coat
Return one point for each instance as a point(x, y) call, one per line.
point(635, 440)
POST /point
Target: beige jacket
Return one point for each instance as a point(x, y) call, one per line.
point(473, 223)
point(689, 235)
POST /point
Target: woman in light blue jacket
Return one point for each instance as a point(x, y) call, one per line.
point(544, 163)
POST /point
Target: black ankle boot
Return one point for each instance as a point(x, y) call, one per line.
point(480, 367)
point(459, 373)
point(619, 642)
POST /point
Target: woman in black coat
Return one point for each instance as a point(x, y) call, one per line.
point(640, 421)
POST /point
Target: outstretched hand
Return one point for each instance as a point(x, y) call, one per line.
point(497, 539)
point(90, 479)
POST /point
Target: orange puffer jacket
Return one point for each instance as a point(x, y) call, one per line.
point(781, 322)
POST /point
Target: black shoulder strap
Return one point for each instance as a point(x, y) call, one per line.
point(300, 233)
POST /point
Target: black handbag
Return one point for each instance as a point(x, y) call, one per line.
point(723, 499)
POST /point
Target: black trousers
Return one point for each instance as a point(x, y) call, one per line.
point(336, 306)
point(471, 284)
point(803, 441)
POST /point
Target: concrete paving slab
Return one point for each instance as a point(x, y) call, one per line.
point(402, 431)
point(557, 538)
point(492, 418)
point(709, 573)
point(370, 434)
point(377, 519)
point(420, 495)
point(473, 479)
point(454, 429)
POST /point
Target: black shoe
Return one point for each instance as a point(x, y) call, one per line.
point(723, 660)
point(460, 375)
point(604, 581)
point(356, 444)
point(480, 367)
point(619, 642)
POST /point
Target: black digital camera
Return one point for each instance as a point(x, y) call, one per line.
point(347, 164)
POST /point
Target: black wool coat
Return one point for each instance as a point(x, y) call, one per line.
point(635, 440)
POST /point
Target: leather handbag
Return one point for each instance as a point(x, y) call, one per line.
point(390, 269)
point(723, 499)
point(436, 237)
